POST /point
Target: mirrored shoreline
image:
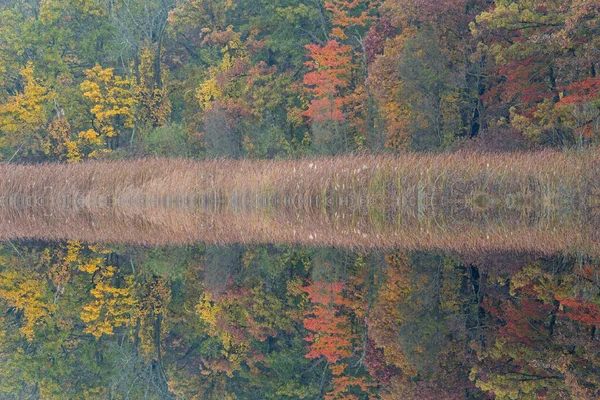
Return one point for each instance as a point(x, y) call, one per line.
point(357, 277)
point(547, 202)
point(278, 321)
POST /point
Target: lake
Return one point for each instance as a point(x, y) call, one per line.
point(443, 276)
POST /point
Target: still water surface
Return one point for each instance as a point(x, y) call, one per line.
point(420, 289)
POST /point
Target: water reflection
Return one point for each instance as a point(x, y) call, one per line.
point(541, 202)
point(289, 322)
point(418, 277)
point(491, 230)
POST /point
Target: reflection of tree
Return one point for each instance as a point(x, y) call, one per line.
point(81, 346)
point(417, 328)
point(290, 323)
point(544, 343)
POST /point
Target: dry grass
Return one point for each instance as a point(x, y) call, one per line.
point(543, 201)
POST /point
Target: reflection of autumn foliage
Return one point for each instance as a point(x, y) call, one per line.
point(527, 332)
point(385, 317)
point(419, 349)
point(329, 335)
point(541, 344)
point(580, 310)
point(112, 306)
point(223, 319)
point(27, 295)
point(241, 318)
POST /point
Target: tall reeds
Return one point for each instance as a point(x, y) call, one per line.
point(543, 201)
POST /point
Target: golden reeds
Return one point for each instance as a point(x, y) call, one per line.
point(542, 201)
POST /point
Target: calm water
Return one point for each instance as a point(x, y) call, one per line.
point(423, 293)
point(280, 321)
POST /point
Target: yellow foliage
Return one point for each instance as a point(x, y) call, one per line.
point(154, 295)
point(207, 310)
point(112, 107)
point(27, 295)
point(207, 92)
point(23, 116)
point(59, 135)
point(112, 306)
point(211, 89)
point(233, 348)
point(73, 154)
point(90, 136)
point(154, 105)
point(73, 250)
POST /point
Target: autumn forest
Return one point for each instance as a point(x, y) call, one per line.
point(286, 199)
point(87, 79)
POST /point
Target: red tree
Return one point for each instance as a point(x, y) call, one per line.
point(329, 70)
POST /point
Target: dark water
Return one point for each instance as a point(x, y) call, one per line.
point(290, 322)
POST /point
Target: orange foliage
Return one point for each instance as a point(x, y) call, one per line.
point(385, 319)
point(386, 85)
point(330, 336)
point(330, 67)
point(342, 385)
point(582, 91)
point(345, 14)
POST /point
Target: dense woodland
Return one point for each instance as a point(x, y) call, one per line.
point(278, 78)
point(278, 322)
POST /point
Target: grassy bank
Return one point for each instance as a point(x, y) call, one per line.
point(460, 201)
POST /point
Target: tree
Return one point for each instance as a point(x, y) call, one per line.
point(111, 107)
point(582, 105)
point(537, 48)
point(153, 106)
point(112, 306)
point(24, 117)
point(329, 73)
point(537, 347)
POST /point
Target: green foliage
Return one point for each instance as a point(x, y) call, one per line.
point(288, 323)
point(167, 141)
point(261, 79)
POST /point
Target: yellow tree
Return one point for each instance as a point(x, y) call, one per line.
point(112, 103)
point(219, 316)
point(24, 116)
point(112, 306)
point(153, 294)
point(28, 296)
point(153, 105)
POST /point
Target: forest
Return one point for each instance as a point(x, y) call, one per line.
point(115, 79)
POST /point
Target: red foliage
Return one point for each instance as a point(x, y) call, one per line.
point(329, 66)
point(520, 320)
point(375, 39)
point(582, 92)
point(376, 365)
point(330, 335)
point(580, 310)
